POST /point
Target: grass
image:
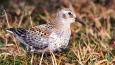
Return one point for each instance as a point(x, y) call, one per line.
point(92, 44)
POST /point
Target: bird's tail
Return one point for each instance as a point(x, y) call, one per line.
point(17, 31)
point(11, 30)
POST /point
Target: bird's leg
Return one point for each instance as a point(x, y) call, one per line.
point(32, 59)
point(41, 58)
point(53, 58)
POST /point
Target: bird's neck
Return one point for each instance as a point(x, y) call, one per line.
point(63, 28)
point(59, 24)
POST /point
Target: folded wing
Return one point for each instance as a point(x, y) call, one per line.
point(36, 37)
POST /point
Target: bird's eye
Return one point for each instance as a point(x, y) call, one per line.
point(70, 14)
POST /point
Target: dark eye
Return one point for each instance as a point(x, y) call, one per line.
point(70, 14)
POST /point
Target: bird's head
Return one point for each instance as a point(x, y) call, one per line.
point(68, 16)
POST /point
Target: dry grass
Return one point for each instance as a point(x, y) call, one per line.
point(92, 44)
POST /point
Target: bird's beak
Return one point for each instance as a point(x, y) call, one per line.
point(79, 20)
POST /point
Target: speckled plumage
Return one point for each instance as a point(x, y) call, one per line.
point(51, 36)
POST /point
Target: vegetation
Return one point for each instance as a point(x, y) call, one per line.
point(91, 44)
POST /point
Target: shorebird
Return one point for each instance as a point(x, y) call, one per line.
point(51, 36)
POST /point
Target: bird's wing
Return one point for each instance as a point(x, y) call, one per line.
point(36, 37)
point(47, 27)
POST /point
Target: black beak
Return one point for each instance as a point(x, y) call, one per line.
point(79, 20)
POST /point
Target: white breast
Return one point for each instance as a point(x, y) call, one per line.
point(59, 39)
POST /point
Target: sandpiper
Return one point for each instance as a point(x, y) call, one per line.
point(51, 36)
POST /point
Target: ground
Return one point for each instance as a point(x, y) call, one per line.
point(90, 44)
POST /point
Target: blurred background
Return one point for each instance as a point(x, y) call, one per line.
point(91, 44)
